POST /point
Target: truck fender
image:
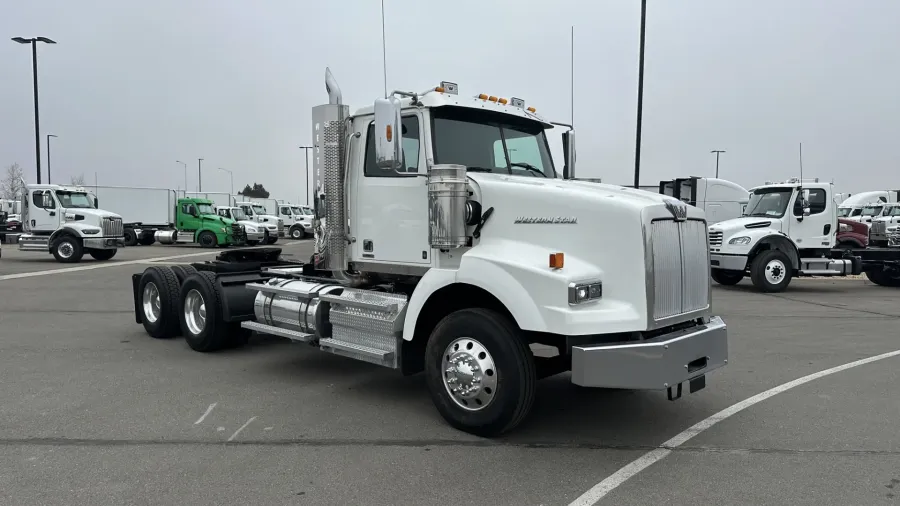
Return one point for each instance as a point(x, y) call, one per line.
point(65, 230)
point(502, 285)
point(779, 242)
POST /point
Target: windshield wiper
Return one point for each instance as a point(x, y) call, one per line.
point(528, 166)
point(475, 168)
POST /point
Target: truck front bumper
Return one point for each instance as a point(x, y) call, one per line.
point(659, 363)
point(104, 242)
point(728, 262)
point(255, 236)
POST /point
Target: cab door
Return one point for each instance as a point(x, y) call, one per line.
point(188, 219)
point(818, 229)
point(43, 216)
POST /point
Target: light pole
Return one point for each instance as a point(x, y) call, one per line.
point(306, 159)
point(717, 151)
point(640, 100)
point(185, 173)
point(199, 178)
point(48, 157)
point(232, 178)
point(37, 122)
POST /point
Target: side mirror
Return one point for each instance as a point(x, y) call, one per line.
point(388, 134)
point(568, 139)
point(96, 203)
point(47, 201)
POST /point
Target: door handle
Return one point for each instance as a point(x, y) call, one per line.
point(52, 213)
point(827, 229)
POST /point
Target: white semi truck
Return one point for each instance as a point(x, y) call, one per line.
point(296, 221)
point(67, 222)
point(789, 230)
point(256, 233)
point(258, 213)
point(446, 243)
point(720, 199)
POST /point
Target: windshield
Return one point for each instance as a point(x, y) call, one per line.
point(259, 209)
point(72, 200)
point(843, 212)
point(872, 210)
point(299, 211)
point(769, 202)
point(205, 209)
point(895, 211)
point(491, 142)
point(238, 214)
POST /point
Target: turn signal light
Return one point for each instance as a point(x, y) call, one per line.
point(439, 89)
point(389, 133)
point(531, 109)
point(557, 260)
point(503, 101)
point(492, 98)
point(483, 96)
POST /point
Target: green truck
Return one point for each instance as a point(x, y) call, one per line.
point(189, 220)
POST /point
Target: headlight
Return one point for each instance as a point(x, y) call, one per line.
point(224, 230)
point(580, 293)
point(742, 240)
point(90, 231)
point(845, 228)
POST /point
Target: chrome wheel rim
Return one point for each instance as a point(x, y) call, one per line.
point(469, 374)
point(65, 249)
point(296, 234)
point(151, 303)
point(195, 312)
point(775, 271)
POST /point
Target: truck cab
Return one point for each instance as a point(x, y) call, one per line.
point(297, 225)
point(196, 221)
point(303, 215)
point(788, 229)
point(258, 213)
point(878, 228)
point(720, 199)
point(67, 222)
point(254, 231)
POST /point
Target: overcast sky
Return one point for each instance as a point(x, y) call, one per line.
point(131, 87)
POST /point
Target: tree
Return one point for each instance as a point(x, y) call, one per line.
point(78, 180)
point(258, 191)
point(11, 186)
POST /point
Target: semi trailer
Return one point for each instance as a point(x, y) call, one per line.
point(447, 243)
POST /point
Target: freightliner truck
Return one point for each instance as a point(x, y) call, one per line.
point(446, 243)
point(66, 221)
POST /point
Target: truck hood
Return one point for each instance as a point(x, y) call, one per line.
point(216, 217)
point(97, 214)
point(747, 223)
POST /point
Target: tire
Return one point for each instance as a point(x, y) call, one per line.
point(252, 243)
point(207, 239)
point(210, 333)
point(163, 325)
point(297, 233)
point(182, 272)
point(882, 278)
point(102, 254)
point(271, 240)
point(147, 240)
point(771, 271)
point(510, 399)
point(727, 278)
point(67, 249)
point(130, 237)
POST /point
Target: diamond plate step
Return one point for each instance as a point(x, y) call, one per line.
point(357, 351)
point(275, 331)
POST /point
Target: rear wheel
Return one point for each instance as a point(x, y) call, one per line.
point(200, 316)
point(480, 372)
point(183, 271)
point(882, 278)
point(158, 291)
point(771, 271)
point(102, 254)
point(207, 239)
point(727, 278)
point(130, 237)
point(67, 249)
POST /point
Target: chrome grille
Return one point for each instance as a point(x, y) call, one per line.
point(680, 260)
point(280, 225)
point(877, 228)
point(894, 238)
point(112, 227)
point(715, 238)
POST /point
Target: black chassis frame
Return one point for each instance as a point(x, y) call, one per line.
point(872, 259)
point(233, 270)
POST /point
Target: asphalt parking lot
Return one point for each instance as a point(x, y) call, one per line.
point(95, 412)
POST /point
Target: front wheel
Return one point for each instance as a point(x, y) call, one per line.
point(67, 249)
point(726, 278)
point(771, 271)
point(297, 233)
point(480, 372)
point(207, 239)
point(270, 239)
point(102, 254)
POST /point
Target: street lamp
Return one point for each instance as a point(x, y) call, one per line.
point(48, 157)
point(306, 159)
point(640, 100)
point(37, 123)
point(185, 173)
point(232, 178)
point(199, 178)
point(717, 151)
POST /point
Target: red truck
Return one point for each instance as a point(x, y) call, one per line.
point(852, 234)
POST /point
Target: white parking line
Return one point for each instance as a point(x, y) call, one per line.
point(242, 428)
point(600, 490)
point(105, 265)
point(205, 414)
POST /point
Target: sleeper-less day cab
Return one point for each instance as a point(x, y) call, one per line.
point(446, 243)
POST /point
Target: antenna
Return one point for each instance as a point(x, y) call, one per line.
point(383, 49)
point(801, 163)
point(572, 78)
